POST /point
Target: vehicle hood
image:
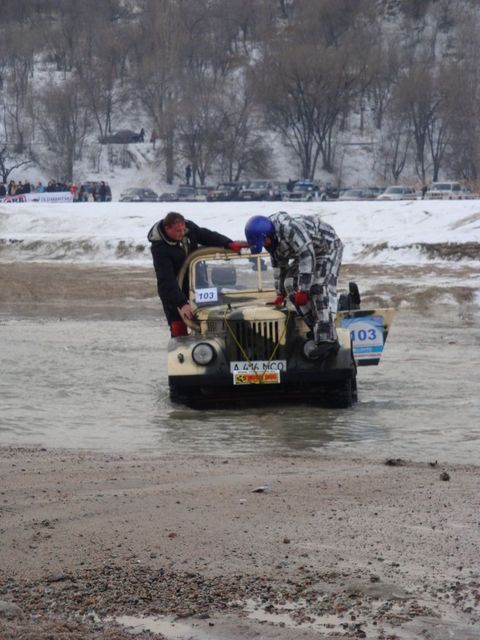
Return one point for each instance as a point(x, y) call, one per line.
point(253, 312)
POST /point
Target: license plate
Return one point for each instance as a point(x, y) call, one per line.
point(267, 377)
point(257, 366)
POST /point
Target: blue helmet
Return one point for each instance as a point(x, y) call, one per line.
point(256, 230)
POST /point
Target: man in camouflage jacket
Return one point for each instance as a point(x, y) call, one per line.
point(306, 255)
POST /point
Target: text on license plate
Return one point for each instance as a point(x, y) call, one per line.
point(257, 366)
point(265, 377)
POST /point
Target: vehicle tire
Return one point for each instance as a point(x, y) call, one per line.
point(343, 394)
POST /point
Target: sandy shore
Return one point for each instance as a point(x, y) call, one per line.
point(187, 548)
point(323, 549)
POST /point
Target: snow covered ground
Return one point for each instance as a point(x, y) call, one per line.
point(404, 232)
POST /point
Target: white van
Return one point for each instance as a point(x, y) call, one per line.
point(447, 191)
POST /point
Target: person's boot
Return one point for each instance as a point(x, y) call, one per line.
point(323, 349)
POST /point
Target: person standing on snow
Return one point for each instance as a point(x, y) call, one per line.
point(306, 255)
point(102, 192)
point(172, 240)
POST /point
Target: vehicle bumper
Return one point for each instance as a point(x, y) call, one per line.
point(307, 386)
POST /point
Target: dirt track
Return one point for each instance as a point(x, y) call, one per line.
point(32, 286)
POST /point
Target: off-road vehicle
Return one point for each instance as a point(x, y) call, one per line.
point(242, 348)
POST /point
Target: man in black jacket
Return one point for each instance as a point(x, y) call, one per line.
point(173, 239)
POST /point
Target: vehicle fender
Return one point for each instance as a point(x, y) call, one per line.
point(181, 363)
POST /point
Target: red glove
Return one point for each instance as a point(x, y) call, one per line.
point(301, 298)
point(279, 300)
point(237, 246)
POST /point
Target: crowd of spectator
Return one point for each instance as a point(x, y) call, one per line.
point(18, 188)
point(87, 192)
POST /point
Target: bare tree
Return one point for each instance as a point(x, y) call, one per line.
point(99, 70)
point(416, 96)
point(463, 152)
point(242, 147)
point(385, 69)
point(397, 140)
point(64, 125)
point(16, 96)
point(158, 70)
point(199, 129)
point(9, 161)
point(305, 89)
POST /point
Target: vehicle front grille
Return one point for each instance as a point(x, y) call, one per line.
point(255, 340)
point(215, 326)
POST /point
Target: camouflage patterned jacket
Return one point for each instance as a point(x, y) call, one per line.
point(300, 243)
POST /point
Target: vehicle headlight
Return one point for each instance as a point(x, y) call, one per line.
point(203, 354)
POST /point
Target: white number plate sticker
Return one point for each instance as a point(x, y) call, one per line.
point(206, 295)
point(258, 366)
point(366, 334)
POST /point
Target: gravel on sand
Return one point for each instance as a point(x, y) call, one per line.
point(109, 545)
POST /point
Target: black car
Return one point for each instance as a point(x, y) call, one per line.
point(122, 136)
point(226, 191)
point(168, 196)
point(138, 194)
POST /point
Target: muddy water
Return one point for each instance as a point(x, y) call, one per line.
point(98, 382)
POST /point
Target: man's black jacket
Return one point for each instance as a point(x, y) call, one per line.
point(169, 256)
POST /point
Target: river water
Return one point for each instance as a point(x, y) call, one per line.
point(100, 383)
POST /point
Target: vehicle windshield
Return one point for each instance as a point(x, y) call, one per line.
point(216, 281)
point(395, 190)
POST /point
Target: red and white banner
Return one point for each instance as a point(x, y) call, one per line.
point(46, 196)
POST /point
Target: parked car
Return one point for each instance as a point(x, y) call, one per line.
point(328, 193)
point(398, 192)
point(122, 136)
point(278, 189)
point(168, 196)
point(138, 194)
point(203, 191)
point(356, 194)
point(91, 187)
point(376, 191)
point(303, 191)
point(225, 191)
point(257, 190)
point(447, 191)
point(241, 348)
point(185, 193)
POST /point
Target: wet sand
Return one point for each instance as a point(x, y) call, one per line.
point(224, 548)
point(353, 548)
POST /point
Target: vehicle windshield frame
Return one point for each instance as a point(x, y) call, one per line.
point(257, 266)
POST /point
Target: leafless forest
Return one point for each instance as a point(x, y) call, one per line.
point(218, 80)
